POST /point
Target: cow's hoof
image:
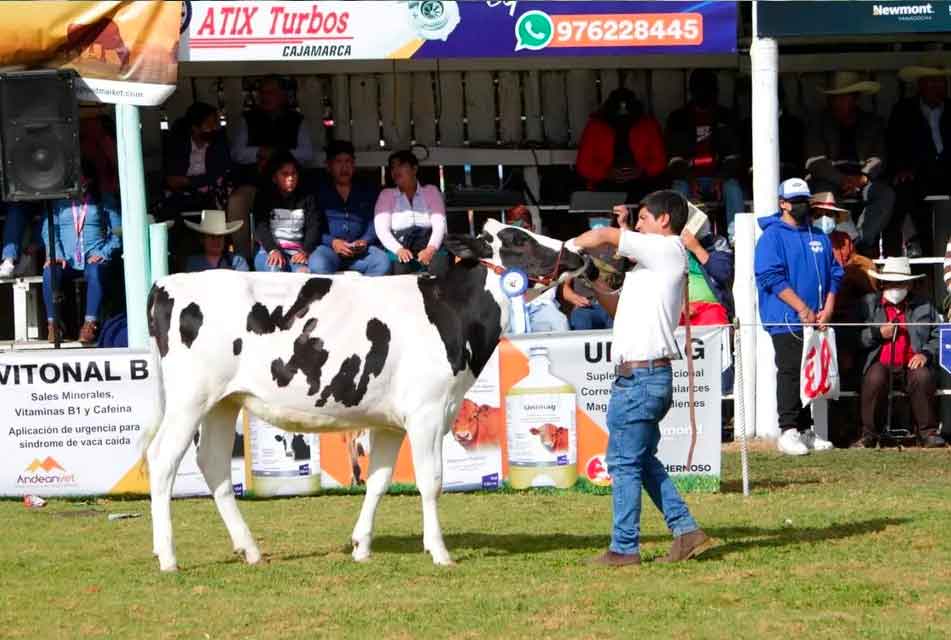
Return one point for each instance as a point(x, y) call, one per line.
point(361, 551)
point(442, 558)
point(250, 556)
point(168, 568)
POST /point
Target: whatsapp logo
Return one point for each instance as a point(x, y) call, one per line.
point(533, 31)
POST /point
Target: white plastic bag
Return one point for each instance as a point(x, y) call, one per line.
point(819, 373)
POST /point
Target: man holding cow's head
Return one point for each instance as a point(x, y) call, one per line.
point(646, 315)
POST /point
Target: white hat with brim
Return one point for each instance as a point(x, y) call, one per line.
point(894, 270)
point(913, 74)
point(214, 223)
point(844, 82)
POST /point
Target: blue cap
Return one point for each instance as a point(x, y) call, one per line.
point(794, 188)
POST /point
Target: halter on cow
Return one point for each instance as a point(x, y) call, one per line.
point(393, 355)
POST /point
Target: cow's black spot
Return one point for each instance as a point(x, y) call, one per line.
point(160, 317)
point(236, 346)
point(261, 322)
point(309, 357)
point(344, 388)
point(189, 323)
point(466, 315)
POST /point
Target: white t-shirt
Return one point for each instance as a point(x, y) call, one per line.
point(651, 299)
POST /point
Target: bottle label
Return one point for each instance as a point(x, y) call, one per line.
point(541, 430)
point(276, 453)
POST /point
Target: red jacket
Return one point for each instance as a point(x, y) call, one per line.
point(596, 151)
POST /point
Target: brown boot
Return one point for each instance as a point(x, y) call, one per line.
point(611, 559)
point(689, 545)
point(87, 333)
point(51, 331)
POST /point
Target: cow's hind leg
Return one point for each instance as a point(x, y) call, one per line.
point(425, 436)
point(214, 460)
point(164, 455)
point(384, 447)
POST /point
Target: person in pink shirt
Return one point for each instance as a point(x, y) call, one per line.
point(410, 220)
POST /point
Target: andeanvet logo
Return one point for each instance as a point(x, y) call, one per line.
point(46, 472)
point(903, 10)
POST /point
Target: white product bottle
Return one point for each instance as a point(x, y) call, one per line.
point(283, 463)
point(540, 424)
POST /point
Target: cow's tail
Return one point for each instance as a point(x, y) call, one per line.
point(152, 429)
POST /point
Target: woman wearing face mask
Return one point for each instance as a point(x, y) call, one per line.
point(826, 216)
point(900, 339)
point(797, 278)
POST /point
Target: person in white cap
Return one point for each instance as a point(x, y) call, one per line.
point(903, 336)
point(797, 278)
point(845, 154)
point(919, 147)
point(215, 229)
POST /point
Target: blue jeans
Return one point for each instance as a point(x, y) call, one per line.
point(544, 316)
point(589, 318)
point(18, 217)
point(638, 403)
point(95, 275)
point(374, 262)
point(260, 262)
point(733, 201)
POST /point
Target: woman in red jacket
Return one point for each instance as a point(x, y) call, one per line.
point(622, 148)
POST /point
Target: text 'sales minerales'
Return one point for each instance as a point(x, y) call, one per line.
point(540, 422)
point(282, 463)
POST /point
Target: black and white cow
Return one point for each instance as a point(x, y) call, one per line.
point(394, 355)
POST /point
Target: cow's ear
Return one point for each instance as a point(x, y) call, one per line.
point(468, 248)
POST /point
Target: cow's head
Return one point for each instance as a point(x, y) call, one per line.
point(553, 438)
point(512, 247)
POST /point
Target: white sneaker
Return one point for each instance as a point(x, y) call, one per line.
point(6, 269)
point(791, 444)
point(814, 442)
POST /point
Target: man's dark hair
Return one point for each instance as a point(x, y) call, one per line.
point(703, 84)
point(403, 157)
point(671, 203)
point(198, 112)
point(337, 147)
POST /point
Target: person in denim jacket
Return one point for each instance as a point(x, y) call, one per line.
point(349, 241)
point(88, 235)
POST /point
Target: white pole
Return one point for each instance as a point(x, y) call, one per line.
point(744, 297)
point(764, 63)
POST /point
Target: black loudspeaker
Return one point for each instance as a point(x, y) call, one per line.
point(39, 135)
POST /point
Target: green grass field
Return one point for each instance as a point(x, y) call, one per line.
point(850, 544)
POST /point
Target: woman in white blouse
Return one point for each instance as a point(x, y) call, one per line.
point(410, 220)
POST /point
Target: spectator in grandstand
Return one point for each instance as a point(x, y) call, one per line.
point(704, 147)
point(272, 125)
point(196, 163)
point(97, 143)
point(845, 150)
point(585, 313)
point(918, 131)
point(410, 220)
point(622, 148)
point(88, 236)
point(19, 216)
point(215, 231)
point(710, 277)
point(797, 279)
point(349, 240)
point(289, 221)
point(903, 336)
point(241, 202)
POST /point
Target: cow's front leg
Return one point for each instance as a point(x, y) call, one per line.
point(425, 436)
point(384, 447)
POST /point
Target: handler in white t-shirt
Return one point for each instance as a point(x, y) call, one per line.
point(647, 313)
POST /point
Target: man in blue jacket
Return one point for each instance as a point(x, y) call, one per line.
point(349, 242)
point(797, 278)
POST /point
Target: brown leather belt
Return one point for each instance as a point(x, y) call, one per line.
point(626, 369)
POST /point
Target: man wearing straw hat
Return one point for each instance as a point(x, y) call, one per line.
point(215, 229)
point(903, 336)
point(845, 151)
point(919, 130)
